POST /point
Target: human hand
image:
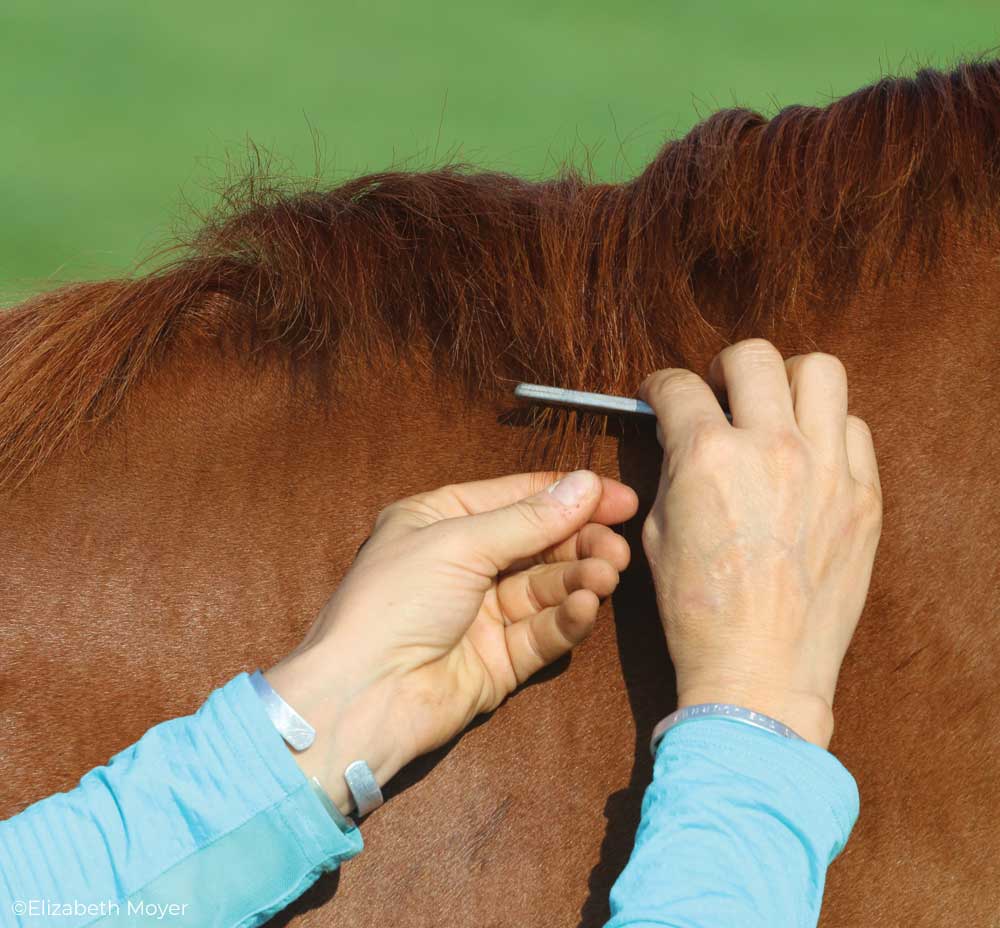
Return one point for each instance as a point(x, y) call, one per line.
point(763, 533)
point(458, 595)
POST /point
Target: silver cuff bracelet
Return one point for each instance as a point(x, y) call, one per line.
point(296, 731)
point(719, 710)
point(364, 787)
point(300, 735)
point(344, 822)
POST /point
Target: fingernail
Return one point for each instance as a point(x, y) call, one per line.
point(573, 487)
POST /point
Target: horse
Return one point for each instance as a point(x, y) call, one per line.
point(191, 456)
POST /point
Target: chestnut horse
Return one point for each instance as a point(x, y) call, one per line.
point(191, 458)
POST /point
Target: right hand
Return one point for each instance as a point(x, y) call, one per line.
point(763, 533)
point(459, 595)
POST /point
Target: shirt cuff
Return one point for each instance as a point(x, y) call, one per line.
point(811, 778)
point(207, 817)
point(738, 827)
point(316, 828)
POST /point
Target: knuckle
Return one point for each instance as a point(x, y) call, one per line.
point(386, 513)
point(531, 594)
point(531, 639)
point(870, 504)
point(708, 444)
point(859, 426)
point(752, 351)
point(875, 520)
point(650, 532)
point(788, 449)
point(820, 364)
point(530, 513)
point(664, 385)
point(669, 375)
point(649, 380)
point(418, 509)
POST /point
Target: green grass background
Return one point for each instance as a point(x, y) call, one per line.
point(116, 114)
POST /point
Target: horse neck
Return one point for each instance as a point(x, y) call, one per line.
point(201, 532)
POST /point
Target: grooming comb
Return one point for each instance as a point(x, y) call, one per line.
point(579, 399)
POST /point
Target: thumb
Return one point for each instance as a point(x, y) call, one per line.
point(537, 522)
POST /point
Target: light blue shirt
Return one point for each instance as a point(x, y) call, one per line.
point(208, 821)
point(738, 828)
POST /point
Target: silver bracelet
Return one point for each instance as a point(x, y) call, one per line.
point(300, 735)
point(296, 731)
point(720, 710)
point(345, 823)
point(364, 787)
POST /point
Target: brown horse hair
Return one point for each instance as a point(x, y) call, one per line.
point(563, 282)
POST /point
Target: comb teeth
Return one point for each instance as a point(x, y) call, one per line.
point(579, 399)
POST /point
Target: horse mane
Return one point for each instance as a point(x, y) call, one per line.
point(565, 282)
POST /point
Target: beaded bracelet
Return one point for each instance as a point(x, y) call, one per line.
point(720, 710)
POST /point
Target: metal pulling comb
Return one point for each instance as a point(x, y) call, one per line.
point(597, 402)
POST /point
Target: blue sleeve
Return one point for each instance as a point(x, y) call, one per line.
point(738, 827)
point(206, 819)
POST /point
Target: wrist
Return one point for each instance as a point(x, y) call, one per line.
point(355, 718)
point(808, 715)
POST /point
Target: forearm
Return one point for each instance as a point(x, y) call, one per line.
point(172, 821)
point(738, 828)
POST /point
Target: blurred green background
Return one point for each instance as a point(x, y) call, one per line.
point(117, 114)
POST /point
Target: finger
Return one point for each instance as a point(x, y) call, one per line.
point(619, 502)
point(681, 401)
point(593, 540)
point(819, 396)
point(527, 593)
point(861, 454)
point(752, 375)
point(548, 635)
point(489, 542)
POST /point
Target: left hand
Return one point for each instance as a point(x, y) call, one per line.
point(457, 597)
